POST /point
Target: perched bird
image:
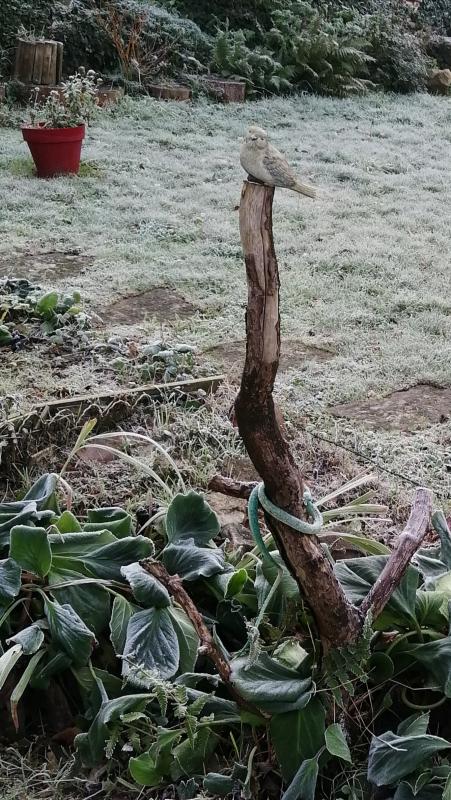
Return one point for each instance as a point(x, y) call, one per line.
point(262, 161)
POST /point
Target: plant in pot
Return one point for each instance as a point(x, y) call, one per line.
point(57, 128)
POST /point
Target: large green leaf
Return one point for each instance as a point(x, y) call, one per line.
point(336, 743)
point(120, 616)
point(441, 527)
point(358, 575)
point(435, 658)
point(106, 562)
point(191, 758)
point(30, 639)
point(270, 685)
point(30, 548)
point(91, 745)
point(415, 725)
point(9, 580)
point(303, 785)
point(191, 562)
point(431, 608)
point(190, 517)
point(79, 544)
point(149, 768)
point(187, 638)
point(90, 602)
point(43, 493)
point(146, 589)
point(38, 505)
point(69, 632)
point(67, 523)
point(298, 735)
point(393, 757)
point(145, 771)
point(112, 519)
point(151, 646)
point(8, 661)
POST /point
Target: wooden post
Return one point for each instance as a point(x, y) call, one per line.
point(337, 620)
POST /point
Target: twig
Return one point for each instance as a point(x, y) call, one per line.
point(231, 487)
point(208, 646)
point(408, 543)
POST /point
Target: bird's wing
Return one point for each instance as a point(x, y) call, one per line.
point(278, 168)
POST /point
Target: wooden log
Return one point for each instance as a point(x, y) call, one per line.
point(169, 92)
point(24, 65)
point(38, 63)
point(227, 91)
point(49, 63)
point(338, 621)
point(108, 96)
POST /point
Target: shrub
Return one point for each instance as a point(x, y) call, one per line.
point(34, 15)
point(437, 14)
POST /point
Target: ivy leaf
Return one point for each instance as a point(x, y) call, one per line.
point(336, 743)
point(393, 757)
point(190, 517)
point(303, 785)
point(187, 638)
point(191, 562)
point(9, 580)
point(270, 685)
point(298, 735)
point(147, 590)
point(30, 548)
point(120, 616)
point(151, 646)
point(70, 632)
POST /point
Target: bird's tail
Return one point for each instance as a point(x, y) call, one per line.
point(302, 188)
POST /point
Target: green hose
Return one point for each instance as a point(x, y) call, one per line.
point(259, 498)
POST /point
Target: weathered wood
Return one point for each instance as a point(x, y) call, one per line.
point(227, 91)
point(59, 61)
point(169, 92)
point(407, 545)
point(231, 487)
point(38, 63)
point(337, 620)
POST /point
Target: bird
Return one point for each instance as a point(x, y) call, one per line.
point(261, 160)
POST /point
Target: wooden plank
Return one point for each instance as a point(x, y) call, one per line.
point(208, 384)
point(49, 64)
point(38, 62)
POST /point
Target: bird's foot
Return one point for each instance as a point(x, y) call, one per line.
point(251, 179)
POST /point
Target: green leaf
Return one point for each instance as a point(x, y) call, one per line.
point(30, 639)
point(104, 562)
point(67, 523)
point(144, 770)
point(56, 663)
point(435, 657)
point(120, 616)
point(10, 574)
point(440, 525)
point(431, 608)
point(191, 562)
point(447, 790)
point(189, 760)
point(151, 646)
point(112, 519)
point(291, 654)
point(269, 685)
point(91, 745)
point(90, 602)
point(22, 684)
point(69, 632)
point(380, 668)
point(30, 548)
point(303, 785)
point(190, 517)
point(43, 493)
point(218, 785)
point(393, 757)
point(146, 589)
point(415, 725)
point(336, 743)
point(358, 575)
point(8, 661)
point(298, 735)
point(47, 303)
point(187, 638)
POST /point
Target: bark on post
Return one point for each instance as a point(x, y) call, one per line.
point(338, 621)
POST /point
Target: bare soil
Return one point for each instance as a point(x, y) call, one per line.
point(159, 302)
point(407, 410)
point(230, 356)
point(46, 267)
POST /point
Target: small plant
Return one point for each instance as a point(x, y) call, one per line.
point(72, 106)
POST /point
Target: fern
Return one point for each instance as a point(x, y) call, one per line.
point(345, 664)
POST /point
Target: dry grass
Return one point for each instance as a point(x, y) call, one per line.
point(364, 270)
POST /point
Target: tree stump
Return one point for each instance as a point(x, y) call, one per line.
point(38, 62)
point(169, 92)
point(227, 91)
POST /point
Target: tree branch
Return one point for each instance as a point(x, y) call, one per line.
point(231, 487)
point(338, 621)
point(208, 646)
point(407, 544)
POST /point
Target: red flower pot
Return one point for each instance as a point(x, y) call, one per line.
point(55, 151)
